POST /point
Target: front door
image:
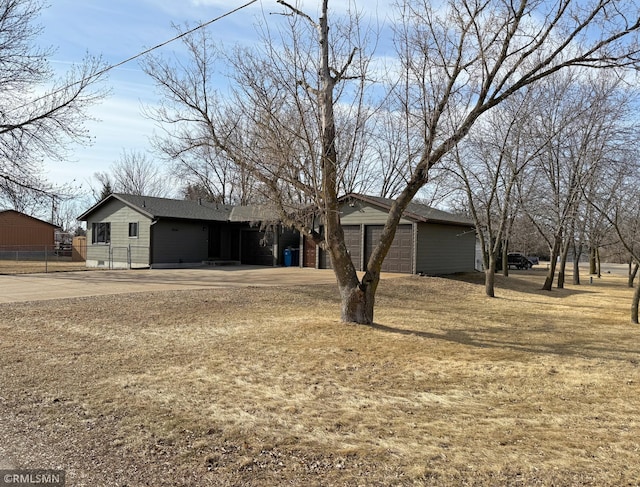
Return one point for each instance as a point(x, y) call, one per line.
point(309, 257)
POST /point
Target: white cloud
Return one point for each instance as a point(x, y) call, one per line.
point(123, 28)
point(119, 125)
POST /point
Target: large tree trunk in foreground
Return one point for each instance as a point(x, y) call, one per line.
point(357, 298)
point(357, 303)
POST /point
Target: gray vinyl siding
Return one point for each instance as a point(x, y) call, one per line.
point(119, 216)
point(445, 249)
point(177, 242)
point(363, 214)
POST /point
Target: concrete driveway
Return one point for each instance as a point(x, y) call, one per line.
point(36, 287)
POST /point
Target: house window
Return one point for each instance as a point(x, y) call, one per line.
point(133, 230)
point(100, 233)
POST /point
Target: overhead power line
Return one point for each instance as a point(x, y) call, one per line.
point(140, 54)
point(180, 36)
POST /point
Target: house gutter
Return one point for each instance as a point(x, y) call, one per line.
point(153, 222)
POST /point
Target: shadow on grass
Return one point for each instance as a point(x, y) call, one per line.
point(521, 281)
point(572, 348)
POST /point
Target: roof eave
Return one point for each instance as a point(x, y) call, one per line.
point(406, 214)
point(31, 217)
point(84, 216)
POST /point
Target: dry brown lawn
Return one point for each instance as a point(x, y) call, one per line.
point(263, 386)
point(34, 266)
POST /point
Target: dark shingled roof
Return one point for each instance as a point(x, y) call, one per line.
point(414, 211)
point(170, 208)
point(254, 213)
point(196, 210)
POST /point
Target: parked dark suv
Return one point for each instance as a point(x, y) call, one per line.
point(518, 261)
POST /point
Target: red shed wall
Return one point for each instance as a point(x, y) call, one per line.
point(17, 229)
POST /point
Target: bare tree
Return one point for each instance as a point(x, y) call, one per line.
point(38, 118)
point(65, 212)
point(19, 197)
point(489, 166)
point(187, 113)
point(459, 61)
point(616, 201)
point(133, 173)
point(583, 123)
point(554, 210)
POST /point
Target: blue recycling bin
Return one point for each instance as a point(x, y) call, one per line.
point(291, 257)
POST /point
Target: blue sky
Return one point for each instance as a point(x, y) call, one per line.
point(119, 29)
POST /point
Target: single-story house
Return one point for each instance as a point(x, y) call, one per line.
point(19, 231)
point(427, 241)
point(141, 231)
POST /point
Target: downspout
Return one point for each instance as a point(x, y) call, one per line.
point(316, 226)
point(363, 248)
point(300, 250)
point(275, 250)
point(153, 222)
point(414, 249)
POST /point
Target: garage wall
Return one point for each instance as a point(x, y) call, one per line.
point(358, 217)
point(400, 255)
point(353, 240)
point(362, 213)
point(176, 242)
point(430, 248)
point(20, 230)
point(445, 249)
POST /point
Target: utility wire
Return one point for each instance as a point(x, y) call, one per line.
point(140, 54)
point(147, 51)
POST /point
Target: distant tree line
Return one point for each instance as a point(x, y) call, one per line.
point(550, 166)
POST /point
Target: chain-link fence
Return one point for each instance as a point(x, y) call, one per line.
point(26, 259)
point(23, 259)
point(118, 257)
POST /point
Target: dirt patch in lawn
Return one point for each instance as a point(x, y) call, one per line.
point(263, 386)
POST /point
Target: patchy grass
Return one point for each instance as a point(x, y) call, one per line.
point(263, 386)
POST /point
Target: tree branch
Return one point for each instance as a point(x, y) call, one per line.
point(298, 12)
